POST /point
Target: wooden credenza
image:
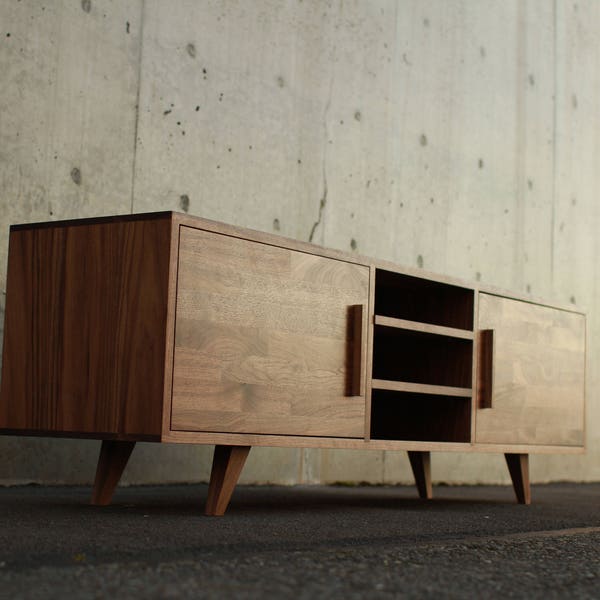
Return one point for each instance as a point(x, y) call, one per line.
point(170, 328)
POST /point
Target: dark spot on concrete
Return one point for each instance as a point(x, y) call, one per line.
point(574, 101)
point(530, 184)
point(368, 183)
point(218, 166)
point(478, 276)
point(506, 211)
point(358, 115)
point(528, 288)
point(353, 244)
point(86, 5)
point(228, 149)
point(561, 227)
point(299, 162)
point(250, 148)
point(480, 163)
point(76, 175)
point(406, 61)
point(8, 35)
point(167, 112)
point(401, 204)
point(183, 132)
point(342, 122)
point(420, 261)
point(221, 97)
point(280, 81)
point(276, 225)
point(573, 201)
point(178, 122)
point(184, 202)
point(191, 50)
point(426, 22)
point(423, 140)
point(197, 108)
point(432, 200)
point(482, 51)
point(127, 27)
point(531, 79)
point(572, 300)
point(352, 215)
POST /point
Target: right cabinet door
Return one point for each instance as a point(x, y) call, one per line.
point(531, 375)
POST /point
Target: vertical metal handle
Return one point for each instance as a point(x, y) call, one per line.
point(357, 382)
point(485, 368)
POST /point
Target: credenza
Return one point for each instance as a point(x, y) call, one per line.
point(165, 327)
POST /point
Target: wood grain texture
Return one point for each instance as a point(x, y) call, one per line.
point(112, 461)
point(423, 327)
point(289, 441)
point(420, 463)
point(518, 467)
point(264, 339)
point(539, 374)
point(228, 462)
point(421, 388)
point(86, 313)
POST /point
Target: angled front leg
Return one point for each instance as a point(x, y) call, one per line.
point(518, 467)
point(111, 463)
point(421, 468)
point(227, 465)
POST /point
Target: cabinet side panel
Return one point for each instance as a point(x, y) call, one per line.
point(85, 321)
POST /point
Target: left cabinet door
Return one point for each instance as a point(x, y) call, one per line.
point(267, 340)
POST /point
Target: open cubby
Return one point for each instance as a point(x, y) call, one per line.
point(416, 357)
point(419, 417)
point(422, 300)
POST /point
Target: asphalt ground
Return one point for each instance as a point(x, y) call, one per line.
point(301, 542)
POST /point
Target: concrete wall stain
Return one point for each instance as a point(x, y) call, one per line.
point(76, 175)
point(184, 202)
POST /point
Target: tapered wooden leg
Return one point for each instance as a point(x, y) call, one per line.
point(113, 458)
point(518, 467)
point(228, 462)
point(421, 468)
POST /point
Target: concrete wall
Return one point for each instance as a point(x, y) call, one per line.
point(453, 135)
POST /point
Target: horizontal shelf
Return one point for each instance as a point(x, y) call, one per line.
point(421, 388)
point(423, 327)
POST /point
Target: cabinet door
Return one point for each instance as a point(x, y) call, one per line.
point(267, 339)
point(537, 375)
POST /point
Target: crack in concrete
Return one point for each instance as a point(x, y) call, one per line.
point(323, 199)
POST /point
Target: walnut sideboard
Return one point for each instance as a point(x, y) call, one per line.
point(170, 328)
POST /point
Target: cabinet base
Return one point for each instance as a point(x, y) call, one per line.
point(228, 462)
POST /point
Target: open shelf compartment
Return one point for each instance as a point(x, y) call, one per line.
point(407, 416)
point(423, 301)
point(418, 357)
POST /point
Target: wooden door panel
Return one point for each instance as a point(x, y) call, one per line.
point(538, 374)
point(264, 339)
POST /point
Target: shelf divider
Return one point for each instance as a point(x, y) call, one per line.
point(421, 388)
point(423, 327)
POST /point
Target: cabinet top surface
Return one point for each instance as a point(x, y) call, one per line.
point(184, 219)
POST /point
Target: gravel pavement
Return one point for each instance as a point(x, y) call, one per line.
point(301, 542)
